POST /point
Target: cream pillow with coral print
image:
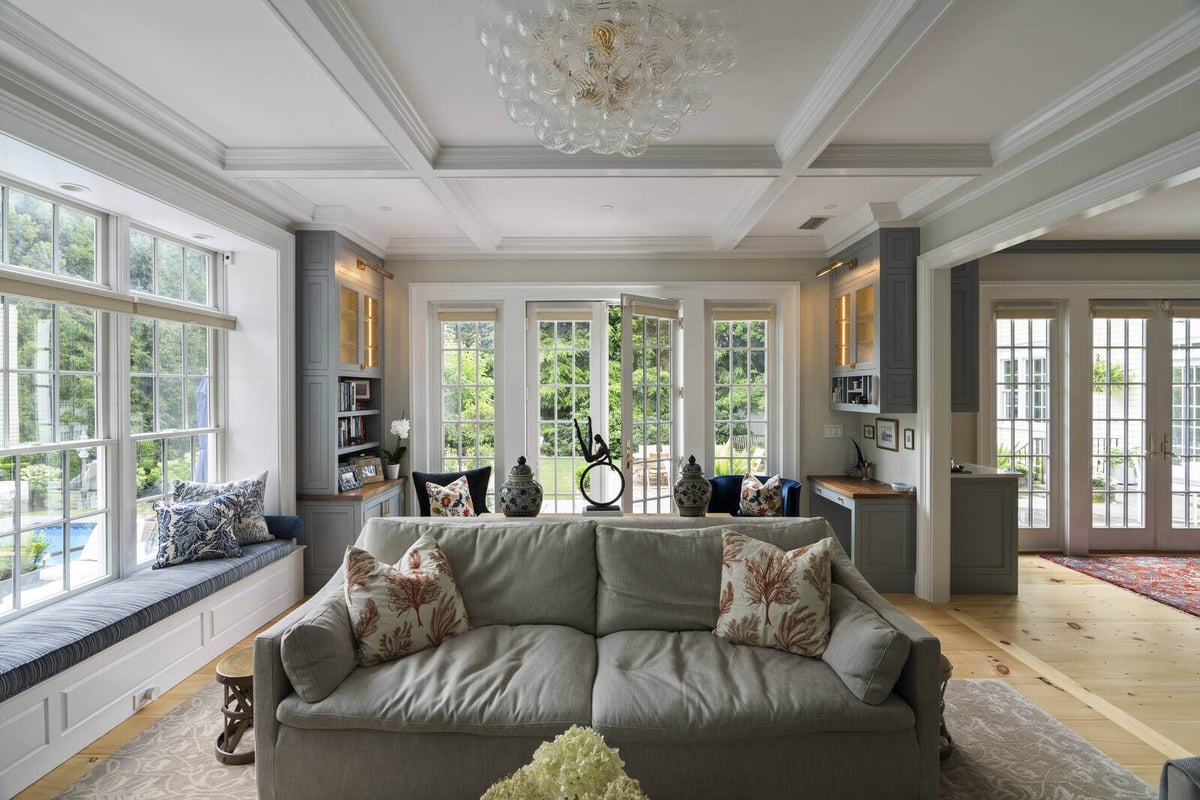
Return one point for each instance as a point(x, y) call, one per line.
point(773, 598)
point(400, 609)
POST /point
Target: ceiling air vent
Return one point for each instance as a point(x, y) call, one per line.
point(812, 223)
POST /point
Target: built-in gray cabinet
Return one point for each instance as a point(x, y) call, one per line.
point(983, 532)
point(333, 522)
point(339, 395)
point(874, 524)
point(964, 337)
point(873, 307)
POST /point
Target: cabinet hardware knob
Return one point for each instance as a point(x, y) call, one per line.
point(362, 365)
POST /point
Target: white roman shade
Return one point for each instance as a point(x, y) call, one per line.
point(723, 313)
point(467, 314)
point(1122, 309)
point(42, 286)
point(563, 314)
point(1006, 309)
point(1183, 308)
point(649, 307)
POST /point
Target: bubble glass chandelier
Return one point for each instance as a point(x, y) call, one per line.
point(609, 76)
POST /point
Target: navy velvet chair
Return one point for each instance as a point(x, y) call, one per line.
point(477, 482)
point(727, 495)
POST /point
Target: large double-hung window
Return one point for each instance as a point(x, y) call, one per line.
point(90, 341)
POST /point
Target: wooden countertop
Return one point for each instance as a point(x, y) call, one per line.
point(859, 489)
point(368, 491)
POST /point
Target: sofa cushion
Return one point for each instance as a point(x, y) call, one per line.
point(866, 652)
point(318, 651)
point(670, 579)
point(249, 525)
point(198, 531)
point(451, 500)
point(385, 602)
point(756, 576)
point(761, 498)
point(658, 686)
point(509, 572)
point(530, 680)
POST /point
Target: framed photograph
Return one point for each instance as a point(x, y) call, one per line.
point(910, 439)
point(887, 433)
point(868, 431)
point(348, 478)
point(360, 393)
point(370, 468)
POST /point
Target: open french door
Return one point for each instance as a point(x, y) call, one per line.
point(649, 401)
point(1145, 426)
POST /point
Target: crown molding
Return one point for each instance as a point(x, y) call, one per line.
point(1150, 57)
point(342, 25)
point(52, 122)
point(905, 159)
point(808, 246)
point(1180, 76)
point(928, 194)
point(47, 50)
point(658, 161)
point(314, 162)
point(1168, 166)
point(862, 221)
point(1107, 246)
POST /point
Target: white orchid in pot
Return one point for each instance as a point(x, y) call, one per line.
point(400, 429)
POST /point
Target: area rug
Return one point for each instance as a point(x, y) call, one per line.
point(1006, 748)
point(1171, 580)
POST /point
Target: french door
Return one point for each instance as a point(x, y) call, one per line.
point(1145, 426)
point(649, 392)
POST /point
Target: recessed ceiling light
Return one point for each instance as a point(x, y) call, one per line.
point(201, 237)
point(607, 207)
point(73, 187)
point(830, 206)
point(385, 208)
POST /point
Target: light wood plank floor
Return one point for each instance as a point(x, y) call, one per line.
point(1117, 668)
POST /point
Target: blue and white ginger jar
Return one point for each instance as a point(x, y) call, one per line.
point(692, 490)
point(520, 495)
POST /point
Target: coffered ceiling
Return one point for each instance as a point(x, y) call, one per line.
point(378, 117)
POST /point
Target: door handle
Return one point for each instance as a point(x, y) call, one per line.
point(1150, 451)
point(628, 458)
point(1166, 447)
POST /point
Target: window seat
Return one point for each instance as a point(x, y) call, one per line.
point(45, 642)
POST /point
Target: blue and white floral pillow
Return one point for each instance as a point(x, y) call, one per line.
point(248, 524)
point(196, 531)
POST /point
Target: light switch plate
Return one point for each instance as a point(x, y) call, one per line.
point(835, 431)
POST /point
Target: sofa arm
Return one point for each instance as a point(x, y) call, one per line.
point(920, 680)
point(271, 685)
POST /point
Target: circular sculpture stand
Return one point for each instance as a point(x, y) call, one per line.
point(236, 673)
point(583, 481)
point(945, 740)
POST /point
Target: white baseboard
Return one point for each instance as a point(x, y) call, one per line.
point(45, 725)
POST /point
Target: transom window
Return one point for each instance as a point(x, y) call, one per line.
point(46, 236)
point(168, 269)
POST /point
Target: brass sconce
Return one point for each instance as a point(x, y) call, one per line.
point(841, 262)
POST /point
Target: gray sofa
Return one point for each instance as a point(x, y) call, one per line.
point(603, 623)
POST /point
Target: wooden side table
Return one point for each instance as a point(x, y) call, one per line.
point(236, 673)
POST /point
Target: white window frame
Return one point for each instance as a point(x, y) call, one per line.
point(111, 297)
point(509, 300)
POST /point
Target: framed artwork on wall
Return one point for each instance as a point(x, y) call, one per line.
point(868, 431)
point(910, 439)
point(887, 433)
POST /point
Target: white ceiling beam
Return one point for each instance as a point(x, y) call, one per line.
point(903, 159)
point(1164, 168)
point(525, 247)
point(280, 163)
point(883, 37)
point(658, 161)
point(328, 30)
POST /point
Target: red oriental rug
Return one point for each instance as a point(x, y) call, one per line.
point(1171, 580)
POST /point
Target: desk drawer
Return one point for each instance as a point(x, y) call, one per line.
point(829, 494)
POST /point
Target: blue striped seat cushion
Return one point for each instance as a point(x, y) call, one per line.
point(43, 643)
